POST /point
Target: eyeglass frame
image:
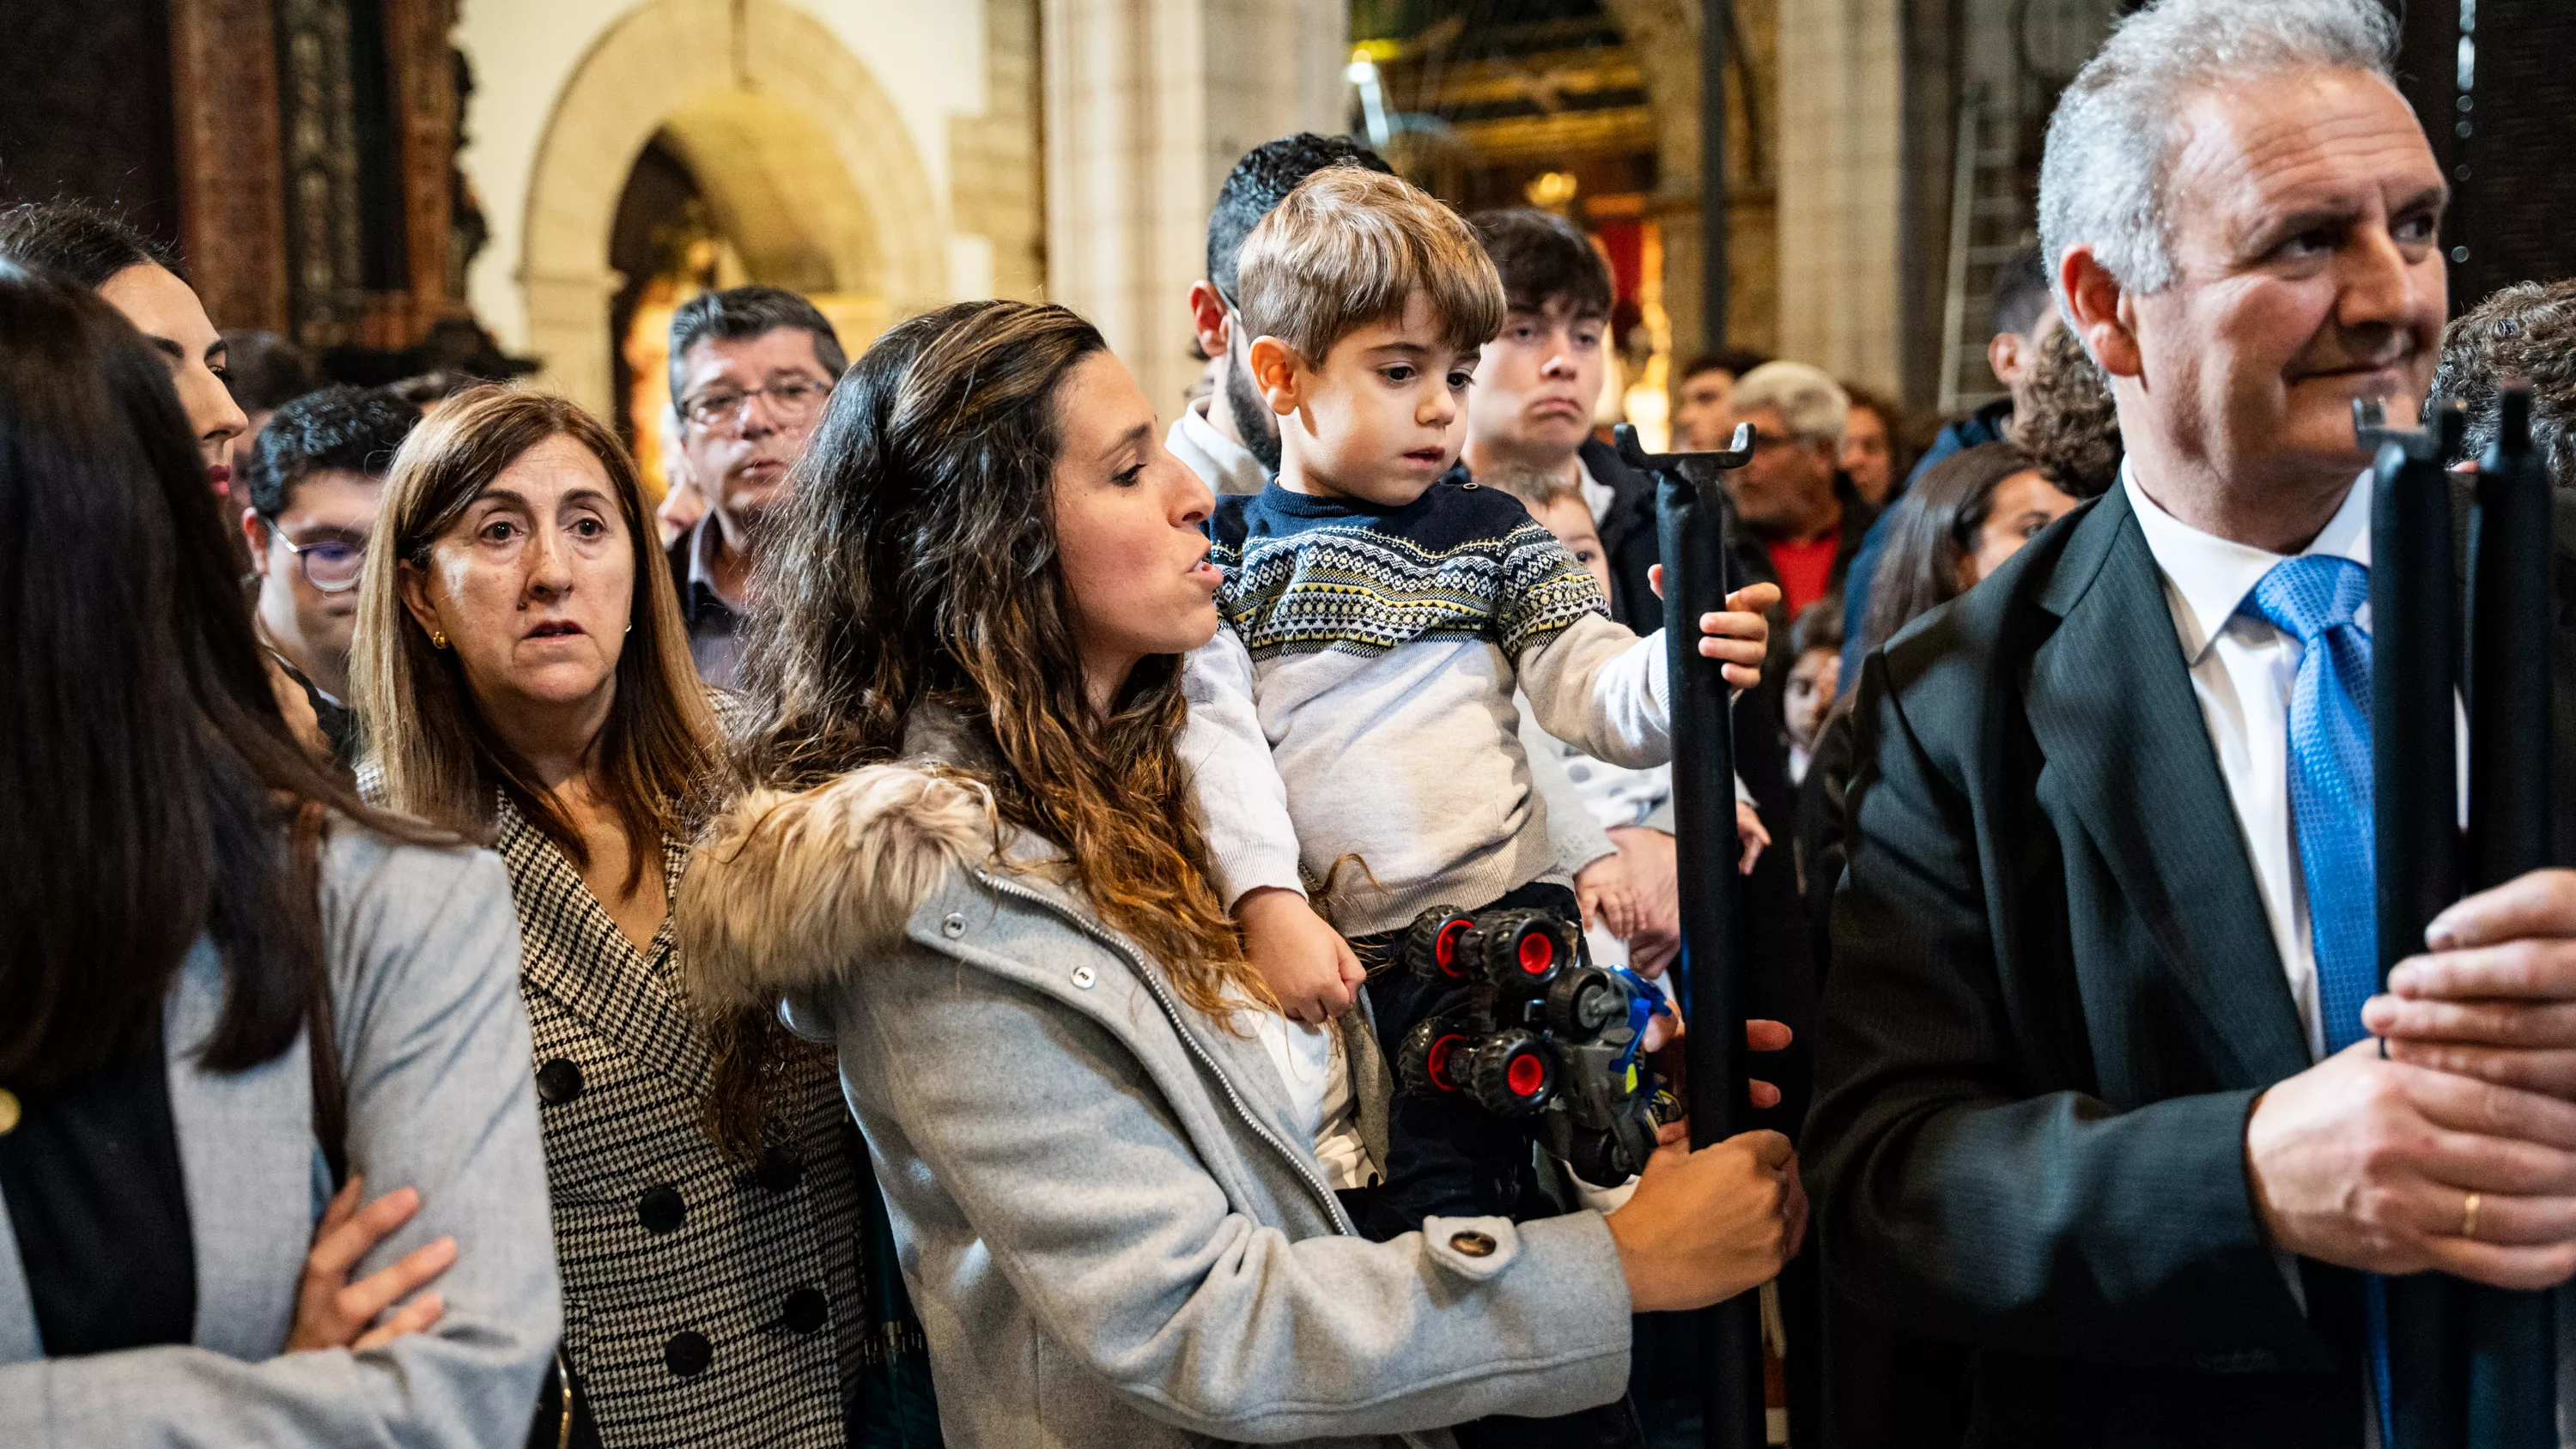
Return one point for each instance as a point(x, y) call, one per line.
point(304, 566)
point(733, 415)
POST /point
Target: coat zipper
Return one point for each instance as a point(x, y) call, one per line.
point(1333, 1205)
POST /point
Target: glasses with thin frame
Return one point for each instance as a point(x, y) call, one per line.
point(328, 564)
point(791, 400)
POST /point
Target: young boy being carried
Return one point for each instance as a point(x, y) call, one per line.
point(1353, 724)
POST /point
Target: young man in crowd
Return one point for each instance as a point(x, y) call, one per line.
point(751, 368)
point(2024, 314)
point(1227, 437)
point(1700, 399)
point(313, 480)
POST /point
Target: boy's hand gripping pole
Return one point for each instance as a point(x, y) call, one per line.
point(1690, 524)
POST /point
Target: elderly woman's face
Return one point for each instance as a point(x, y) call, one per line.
point(2304, 219)
point(1128, 519)
point(533, 582)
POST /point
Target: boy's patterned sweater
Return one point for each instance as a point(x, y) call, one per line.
point(1356, 707)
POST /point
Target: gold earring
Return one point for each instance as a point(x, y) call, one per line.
point(437, 639)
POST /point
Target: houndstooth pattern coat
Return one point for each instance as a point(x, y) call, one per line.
point(705, 1301)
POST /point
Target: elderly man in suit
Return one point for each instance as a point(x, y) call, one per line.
point(2105, 1097)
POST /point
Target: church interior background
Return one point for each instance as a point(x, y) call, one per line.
point(511, 187)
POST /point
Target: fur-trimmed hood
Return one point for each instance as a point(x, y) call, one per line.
point(784, 890)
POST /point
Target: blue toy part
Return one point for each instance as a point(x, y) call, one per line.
point(1645, 1003)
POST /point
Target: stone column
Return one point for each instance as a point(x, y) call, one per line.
point(1842, 187)
point(1148, 105)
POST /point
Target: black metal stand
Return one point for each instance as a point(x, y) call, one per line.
point(1691, 527)
point(2469, 1365)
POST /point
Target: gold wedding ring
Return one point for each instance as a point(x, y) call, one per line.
point(2469, 1217)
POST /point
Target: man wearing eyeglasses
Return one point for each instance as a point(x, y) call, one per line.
point(751, 368)
point(316, 476)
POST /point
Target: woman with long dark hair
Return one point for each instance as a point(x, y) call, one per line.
point(969, 859)
point(523, 676)
point(228, 990)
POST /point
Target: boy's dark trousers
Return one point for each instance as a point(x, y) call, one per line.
point(1451, 1158)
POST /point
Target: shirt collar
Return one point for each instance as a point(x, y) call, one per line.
point(1238, 471)
point(704, 540)
point(2210, 576)
point(1597, 495)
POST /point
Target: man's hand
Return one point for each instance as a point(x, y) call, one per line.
point(2369, 1164)
point(1308, 966)
point(2496, 1000)
point(1739, 637)
point(1606, 896)
point(1656, 888)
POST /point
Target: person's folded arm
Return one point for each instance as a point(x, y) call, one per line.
point(1087, 1192)
point(1953, 1194)
point(434, 1046)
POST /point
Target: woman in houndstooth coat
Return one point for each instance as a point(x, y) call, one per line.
point(523, 675)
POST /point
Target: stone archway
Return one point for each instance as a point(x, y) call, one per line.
point(799, 149)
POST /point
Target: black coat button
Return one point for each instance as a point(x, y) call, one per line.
point(688, 1353)
point(781, 1169)
point(805, 1310)
point(558, 1082)
point(660, 1209)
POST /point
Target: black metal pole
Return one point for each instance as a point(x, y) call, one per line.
point(2415, 657)
point(2512, 1380)
point(1716, 23)
point(1690, 525)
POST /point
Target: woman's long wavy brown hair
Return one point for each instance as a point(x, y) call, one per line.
point(917, 564)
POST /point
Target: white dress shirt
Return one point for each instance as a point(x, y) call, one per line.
point(2242, 669)
point(1223, 464)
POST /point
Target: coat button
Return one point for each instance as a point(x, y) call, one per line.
point(558, 1082)
point(1083, 976)
point(954, 926)
point(1472, 1244)
point(660, 1209)
point(688, 1353)
point(805, 1310)
point(780, 1169)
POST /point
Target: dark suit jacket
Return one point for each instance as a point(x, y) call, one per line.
point(2054, 1000)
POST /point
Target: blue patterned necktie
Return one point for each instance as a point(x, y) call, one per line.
point(2313, 599)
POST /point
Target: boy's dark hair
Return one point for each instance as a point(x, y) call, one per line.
point(264, 371)
point(1263, 179)
point(1543, 257)
point(741, 312)
point(2521, 333)
point(1735, 361)
point(351, 428)
point(78, 240)
point(2021, 293)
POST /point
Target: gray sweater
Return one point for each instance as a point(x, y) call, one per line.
point(423, 950)
point(1114, 1234)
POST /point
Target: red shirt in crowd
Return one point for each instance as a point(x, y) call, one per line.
point(1806, 569)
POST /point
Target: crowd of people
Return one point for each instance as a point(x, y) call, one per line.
point(978, 917)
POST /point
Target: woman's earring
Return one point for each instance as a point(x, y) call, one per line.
point(437, 639)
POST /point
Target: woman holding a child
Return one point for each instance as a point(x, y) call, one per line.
point(969, 858)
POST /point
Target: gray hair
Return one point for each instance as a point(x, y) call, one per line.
point(2110, 144)
point(1811, 403)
